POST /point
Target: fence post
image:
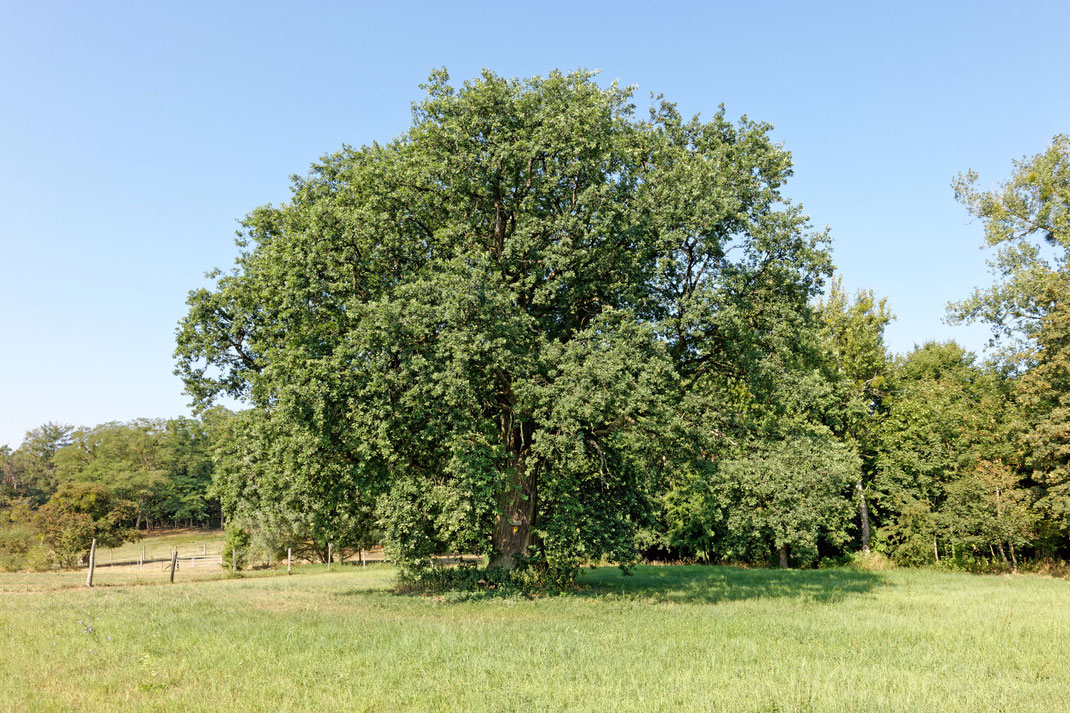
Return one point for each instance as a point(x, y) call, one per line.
point(174, 564)
point(330, 556)
point(92, 562)
point(289, 558)
point(204, 551)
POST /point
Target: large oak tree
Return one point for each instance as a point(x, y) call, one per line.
point(504, 328)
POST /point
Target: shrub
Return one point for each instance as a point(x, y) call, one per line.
point(236, 545)
point(869, 562)
point(79, 512)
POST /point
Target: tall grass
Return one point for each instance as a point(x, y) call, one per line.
point(668, 639)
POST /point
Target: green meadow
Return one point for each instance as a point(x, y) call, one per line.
point(669, 638)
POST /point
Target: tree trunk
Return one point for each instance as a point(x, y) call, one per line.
point(936, 551)
point(1003, 554)
point(784, 556)
point(512, 531)
point(1014, 558)
point(863, 512)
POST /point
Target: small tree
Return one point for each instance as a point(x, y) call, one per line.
point(79, 512)
point(787, 495)
point(854, 332)
point(986, 508)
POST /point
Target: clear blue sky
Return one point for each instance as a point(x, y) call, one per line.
point(132, 135)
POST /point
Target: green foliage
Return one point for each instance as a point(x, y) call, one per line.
point(787, 491)
point(935, 424)
point(949, 470)
point(781, 472)
point(988, 506)
point(504, 331)
point(161, 465)
point(284, 498)
point(1027, 220)
point(20, 545)
point(158, 470)
point(853, 331)
point(852, 335)
point(67, 486)
point(869, 562)
point(236, 548)
point(1043, 394)
point(30, 471)
point(76, 514)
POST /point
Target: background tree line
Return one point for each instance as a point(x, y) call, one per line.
point(961, 461)
point(63, 486)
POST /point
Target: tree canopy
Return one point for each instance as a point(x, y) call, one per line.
point(1027, 220)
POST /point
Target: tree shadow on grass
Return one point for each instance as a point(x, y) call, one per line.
point(677, 584)
point(712, 584)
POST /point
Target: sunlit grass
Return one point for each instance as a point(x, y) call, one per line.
point(151, 574)
point(667, 639)
point(157, 546)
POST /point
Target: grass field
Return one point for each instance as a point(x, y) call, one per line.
point(667, 639)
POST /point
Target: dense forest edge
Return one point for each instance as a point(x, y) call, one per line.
point(542, 329)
